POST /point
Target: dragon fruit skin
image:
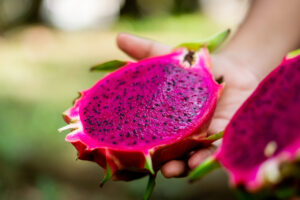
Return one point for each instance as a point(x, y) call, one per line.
point(265, 132)
point(145, 114)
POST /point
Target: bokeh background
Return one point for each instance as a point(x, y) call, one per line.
point(46, 49)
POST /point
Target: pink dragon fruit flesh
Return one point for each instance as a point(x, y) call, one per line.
point(264, 134)
point(146, 113)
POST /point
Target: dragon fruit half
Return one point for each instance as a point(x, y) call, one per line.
point(264, 134)
point(146, 113)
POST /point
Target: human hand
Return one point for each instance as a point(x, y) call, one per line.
point(239, 80)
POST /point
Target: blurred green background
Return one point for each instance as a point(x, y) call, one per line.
point(46, 49)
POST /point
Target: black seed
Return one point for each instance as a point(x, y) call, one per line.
point(185, 98)
point(281, 69)
point(128, 135)
point(114, 142)
point(165, 123)
point(189, 120)
point(96, 111)
point(121, 83)
point(153, 137)
point(134, 142)
point(138, 97)
point(173, 83)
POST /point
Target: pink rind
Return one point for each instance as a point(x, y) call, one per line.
point(255, 179)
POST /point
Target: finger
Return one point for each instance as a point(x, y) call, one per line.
point(200, 156)
point(174, 168)
point(140, 48)
point(217, 125)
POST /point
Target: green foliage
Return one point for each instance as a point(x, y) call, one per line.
point(109, 66)
point(211, 43)
point(294, 53)
point(205, 167)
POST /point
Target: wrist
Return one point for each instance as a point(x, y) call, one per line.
point(233, 70)
point(257, 61)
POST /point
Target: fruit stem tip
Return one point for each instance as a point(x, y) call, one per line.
point(150, 187)
point(205, 167)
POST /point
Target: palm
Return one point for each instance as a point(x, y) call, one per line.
point(239, 83)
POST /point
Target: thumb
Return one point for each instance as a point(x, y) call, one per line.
point(140, 48)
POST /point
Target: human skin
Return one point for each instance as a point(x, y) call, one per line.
point(270, 30)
